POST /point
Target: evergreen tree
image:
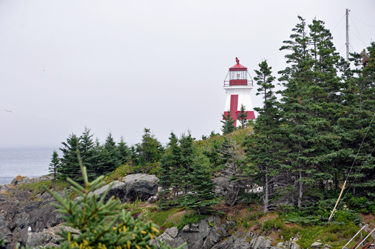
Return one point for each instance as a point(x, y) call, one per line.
point(242, 116)
point(87, 152)
point(109, 159)
point(356, 124)
point(263, 149)
point(55, 161)
point(201, 196)
point(296, 78)
point(149, 152)
point(100, 225)
point(232, 169)
point(123, 151)
point(228, 124)
point(187, 159)
point(170, 162)
point(69, 166)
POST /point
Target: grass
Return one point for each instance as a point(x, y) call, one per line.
point(119, 173)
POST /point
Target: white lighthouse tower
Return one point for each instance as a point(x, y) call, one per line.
point(238, 90)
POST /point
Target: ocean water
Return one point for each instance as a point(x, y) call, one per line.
point(31, 162)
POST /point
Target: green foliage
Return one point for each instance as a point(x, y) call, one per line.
point(2, 242)
point(101, 225)
point(201, 197)
point(190, 219)
point(242, 116)
point(55, 161)
point(228, 124)
point(360, 204)
point(272, 224)
point(149, 150)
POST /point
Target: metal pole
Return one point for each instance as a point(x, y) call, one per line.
point(337, 202)
point(366, 237)
point(347, 34)
point(355, 235)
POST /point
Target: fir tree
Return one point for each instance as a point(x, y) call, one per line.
point(123, 151)
point(69, 166)
point(170, 163)
point(55, 161)
point(242, 116)
point(296, 79)
point(86, 149)
point(263, 149)
point(228, 124)
point(101, 225)
point(201, 196)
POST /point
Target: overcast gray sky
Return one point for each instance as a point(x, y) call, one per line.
point(122, 65)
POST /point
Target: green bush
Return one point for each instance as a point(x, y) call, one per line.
point(101, 225)
point(272, 224)
point(189, 219)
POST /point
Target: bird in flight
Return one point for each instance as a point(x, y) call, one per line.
point(7, 110)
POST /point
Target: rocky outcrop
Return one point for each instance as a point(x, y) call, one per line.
point(211, 233)
point(19, 213)
point(133, 187)
point(48, 237)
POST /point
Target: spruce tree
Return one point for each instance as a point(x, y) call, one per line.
point(187, 159)
point(242, 116)
point(296, 79)
point(87, 152)
point(55, 161)
point(69, 166)
point(228, 124)
point(103, 225)
point(148, 152)
point(170, 163)
point(201, 196)
point(123, 151)
point(263, 148)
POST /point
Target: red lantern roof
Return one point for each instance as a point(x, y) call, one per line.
point(238, 66)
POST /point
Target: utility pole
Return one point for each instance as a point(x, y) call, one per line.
point(347, 35)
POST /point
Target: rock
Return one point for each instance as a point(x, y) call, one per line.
point(140, 186)
point(257, 243)
point(173, 231)
point(295, 246)
point(221, 185)
point(136, 186)
point(117, 190)
point(316, 245)
point(280, 245)
point(152, 199)
point(48, 236)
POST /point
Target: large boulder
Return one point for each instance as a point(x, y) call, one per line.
point(140, 186)
point(133, 187)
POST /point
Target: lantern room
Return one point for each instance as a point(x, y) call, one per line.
point(238, 76)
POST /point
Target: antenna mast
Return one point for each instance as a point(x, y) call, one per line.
point(347, 34)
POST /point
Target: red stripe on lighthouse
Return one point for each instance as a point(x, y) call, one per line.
point(233, 107)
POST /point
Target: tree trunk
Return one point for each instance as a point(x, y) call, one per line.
point(300, 194)
point(265, 190)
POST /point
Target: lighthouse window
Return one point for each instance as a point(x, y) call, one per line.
point(238, 75)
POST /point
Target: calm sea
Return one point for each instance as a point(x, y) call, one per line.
point(31, 162)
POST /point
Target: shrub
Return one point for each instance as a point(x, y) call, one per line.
point(101, 225)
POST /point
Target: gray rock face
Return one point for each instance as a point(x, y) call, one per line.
point(133, 187)
point(47, 236)
point(18, 212)
point(140, 186)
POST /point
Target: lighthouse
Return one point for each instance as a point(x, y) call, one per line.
point(238, 90)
